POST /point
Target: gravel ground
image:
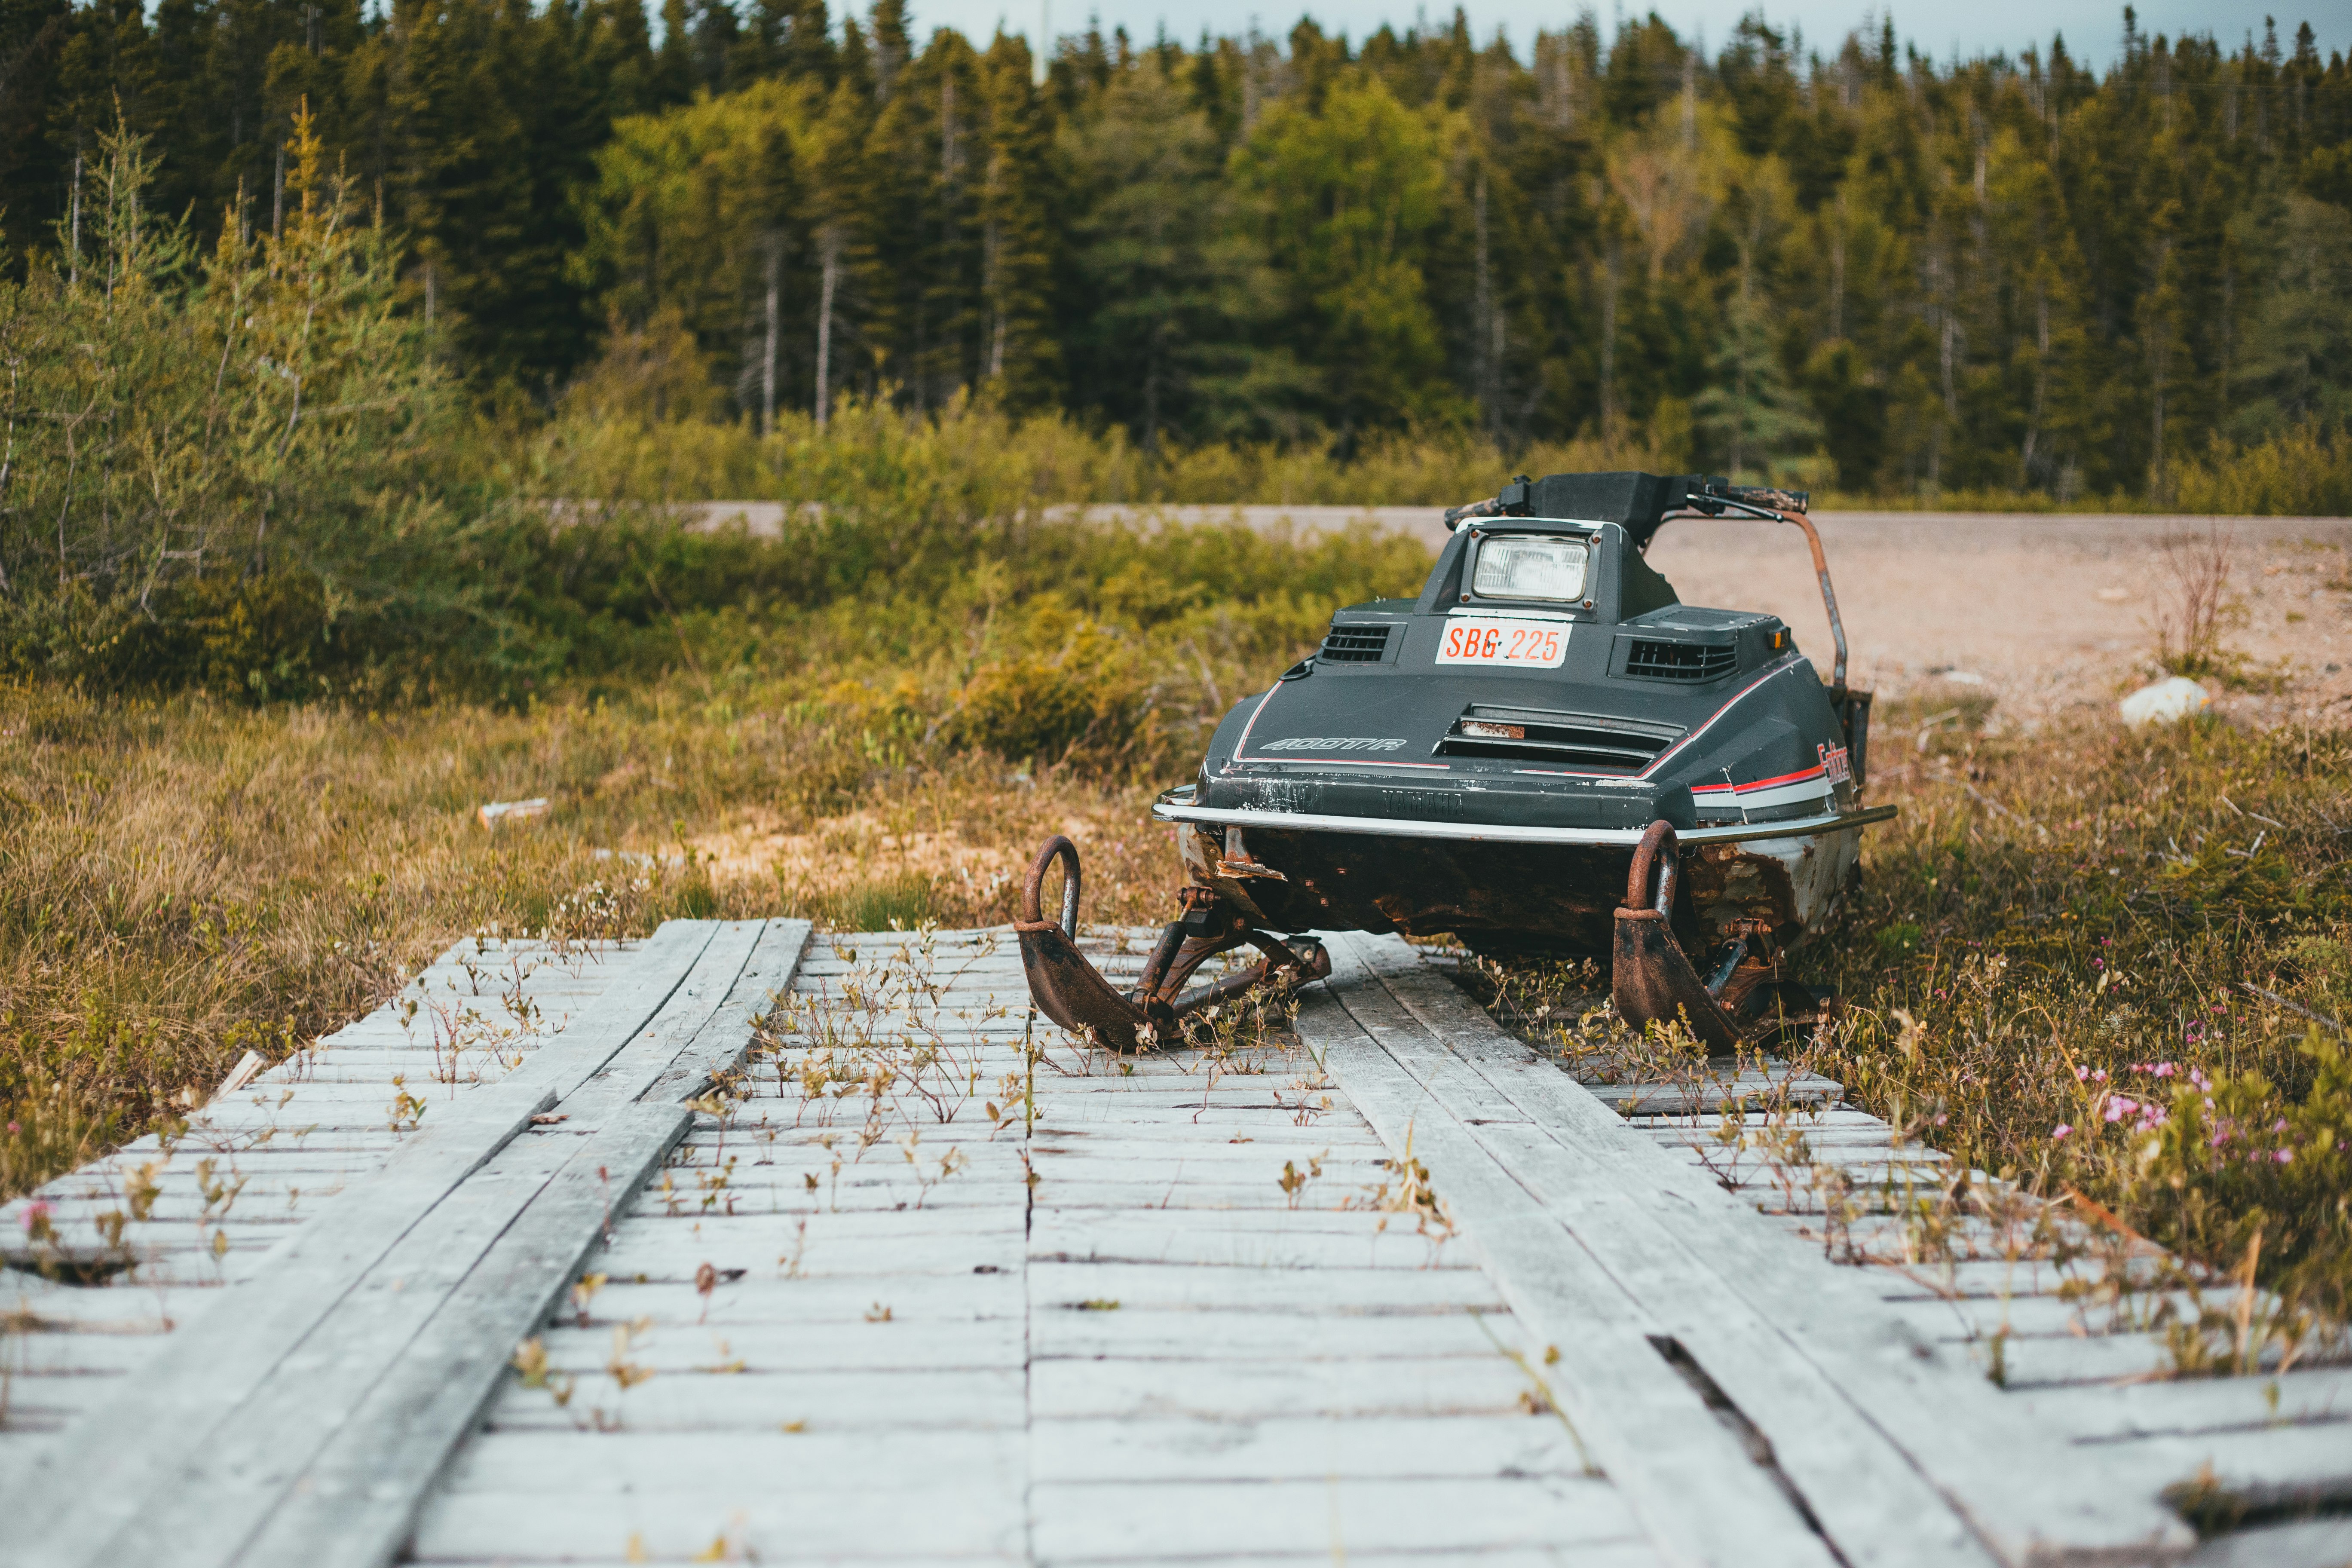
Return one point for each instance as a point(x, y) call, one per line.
point(2045, 614)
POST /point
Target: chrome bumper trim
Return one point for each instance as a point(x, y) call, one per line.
point(1169, 810)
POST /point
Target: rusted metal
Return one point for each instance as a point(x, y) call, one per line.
point(1650, 977)
point(1072, 992)
point(1066, 987)
point(1828, 594)
point(1457, 515)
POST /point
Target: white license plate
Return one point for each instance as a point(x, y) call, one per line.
point(1522, 645)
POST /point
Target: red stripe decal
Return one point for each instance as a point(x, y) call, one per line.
point(1799, 776)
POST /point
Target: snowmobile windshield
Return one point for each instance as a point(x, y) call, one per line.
point(1530, 566)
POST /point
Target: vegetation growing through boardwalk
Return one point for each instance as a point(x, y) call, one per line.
point(2089, 963)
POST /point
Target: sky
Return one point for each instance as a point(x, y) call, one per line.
point(2093, 28)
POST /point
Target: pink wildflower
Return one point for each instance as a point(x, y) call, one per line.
point(2285, 1156)
point(2059, 1132)
point(36, 1218)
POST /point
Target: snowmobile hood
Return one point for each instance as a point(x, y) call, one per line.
point(1481, 705)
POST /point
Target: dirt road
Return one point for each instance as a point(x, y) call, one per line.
point(2045, 613)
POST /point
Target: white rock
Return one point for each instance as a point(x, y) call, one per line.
point(2166, 702)
point(500, 811)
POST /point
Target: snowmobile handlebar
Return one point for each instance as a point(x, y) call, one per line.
point(1692, 493)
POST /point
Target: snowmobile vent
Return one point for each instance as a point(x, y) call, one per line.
point(1679, 661)
point(1594, 741)
point(1366, 644)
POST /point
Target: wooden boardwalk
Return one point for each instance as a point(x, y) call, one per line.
point(568, 1262)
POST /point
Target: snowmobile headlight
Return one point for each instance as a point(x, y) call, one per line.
point(1529, 567)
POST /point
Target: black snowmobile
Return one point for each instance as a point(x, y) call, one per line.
point(1545, 726)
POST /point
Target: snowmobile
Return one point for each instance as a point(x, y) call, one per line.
point(1545, 753)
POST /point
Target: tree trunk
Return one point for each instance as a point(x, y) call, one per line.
point(831, 241)
point(775, 265)
point(1611, 265)
point(2040, 387)
point(991, 273)
point(1483, 309)
point(1837, 273)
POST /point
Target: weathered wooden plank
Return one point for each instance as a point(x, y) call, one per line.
point(118, 1457)
point(1624, 1553)
point(720, 1046)
point(701, 999)
point(2274, 1470)
point(1708, 1096)
point(2013, 1483)
point(816, 1402)
point(1294, 1448)
point(911, 1297)
point(2190, 1406)
point(682, 1344)
point(1347, 1240)
point(1222, 1390)
point(543, 1468)
point(1872, 1503)
point(772, 1246)
point(1140, 1333)
point(125, 1453)
point(215, 1498)
point(1205, 1520)
point(764, 1519)
point(2306, 1544)
point(1222, 1286)
point(1647, 1427)
point(358, 1496)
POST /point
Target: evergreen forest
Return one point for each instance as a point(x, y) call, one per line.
point(1849, 267)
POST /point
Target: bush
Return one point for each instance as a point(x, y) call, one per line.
point(2302, 472)
point(227, 468)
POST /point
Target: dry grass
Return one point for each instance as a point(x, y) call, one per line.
point(2092, 961)
point(186, 881)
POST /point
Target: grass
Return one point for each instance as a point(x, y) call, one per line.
point(2113, 964)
